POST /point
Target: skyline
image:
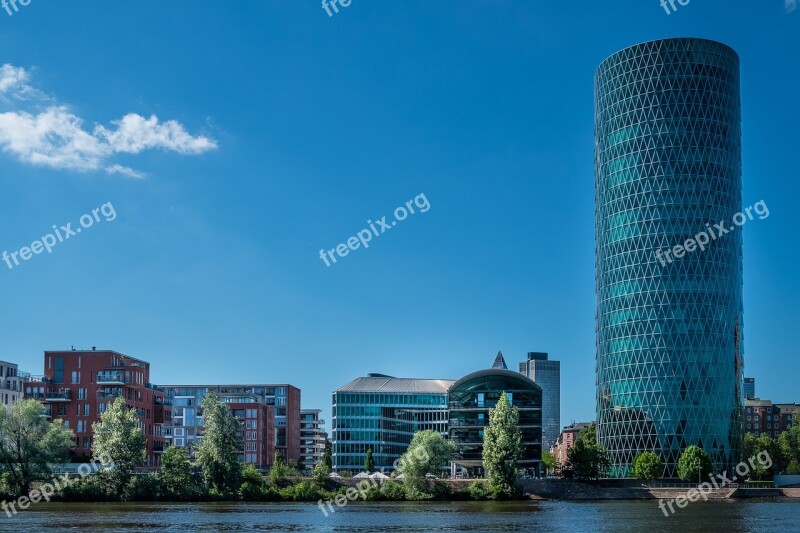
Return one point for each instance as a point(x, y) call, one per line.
point(211, 270)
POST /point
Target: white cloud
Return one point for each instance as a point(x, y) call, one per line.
point(53, 136)
point(126, 171)
point(791, 5)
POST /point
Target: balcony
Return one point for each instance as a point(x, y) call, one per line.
point(110, 378)
point(108, 394)
point(58, 395)
point(162, 401)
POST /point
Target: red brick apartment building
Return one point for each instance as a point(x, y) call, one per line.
point(270, 416)
point(78, 385)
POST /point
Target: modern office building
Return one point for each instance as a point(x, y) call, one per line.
point(382, 413)
point(749, 388)
point(547, 374)
point(313, 438)
point(669, 320)
point(79, 385)
point(469, 402)
point(10, 383)
point(270, 416)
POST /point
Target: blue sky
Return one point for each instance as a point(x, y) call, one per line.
point(290, 129)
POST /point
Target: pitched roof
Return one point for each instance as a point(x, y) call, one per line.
point(499, 362)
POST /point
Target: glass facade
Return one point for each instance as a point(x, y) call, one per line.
point(470, 400)
point(546, 374)
point(384, 422)
point(668, 164)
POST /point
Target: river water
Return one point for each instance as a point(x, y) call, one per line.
point(609, 515)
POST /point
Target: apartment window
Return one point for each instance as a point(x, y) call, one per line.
point(76, 377)
point(86, 409)
point(252, 435)
point(58, 373)
point(87, 442)
point(250, 446)
point(178, 442)
point(80, 427)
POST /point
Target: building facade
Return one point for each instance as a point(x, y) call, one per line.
point(382, 413)
point(472, 397)
point(762, 417)
point(270, 416)
point(10, 383)
point(749, 388)
point(566, 440)
point(669, 322)
point(313, 438)
point(79, 385)
point(547, 374)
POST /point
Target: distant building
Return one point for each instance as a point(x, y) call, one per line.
point(546, 374)
point(749, 388)
point(312, 438)
point(566, 440)
point(762, 417)
point(10, 383)
point(79, 385)
point(382, 413)
point(270, 416)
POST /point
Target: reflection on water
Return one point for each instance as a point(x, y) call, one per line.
point(611, 516)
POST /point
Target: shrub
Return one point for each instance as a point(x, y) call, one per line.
point(393, 491)
point(478, 490)
point(305, 491)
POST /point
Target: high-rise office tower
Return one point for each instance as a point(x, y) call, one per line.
point(749, 388)
point(669, 331)
point(546, 374)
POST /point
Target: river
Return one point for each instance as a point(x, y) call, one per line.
point(609, 515)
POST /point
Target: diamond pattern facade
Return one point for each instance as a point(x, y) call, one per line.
point(667, 162)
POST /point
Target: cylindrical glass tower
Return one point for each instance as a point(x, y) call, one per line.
point(668, 167)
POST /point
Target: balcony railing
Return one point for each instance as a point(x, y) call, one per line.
point(58, 395)
point(162, 401)
point(110, 378)
point(108, 394)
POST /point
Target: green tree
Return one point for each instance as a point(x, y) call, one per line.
point(369, 462)
point(254, 486)
point(118, 438)
point(176, 472)
point(29, 443)
point(279, 471)
point(218, 450)
point(502, 448)
point(789, 444)
point(694, 464)
point(327, 460)
point(548, 462)
point(589, 460)
point(648, 465)
point(753, 446)
point(428, 453)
